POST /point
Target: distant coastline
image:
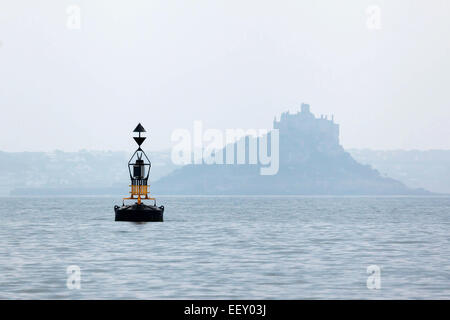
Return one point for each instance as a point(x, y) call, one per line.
point(311, 162)
point(415, 168)
point(99, 173)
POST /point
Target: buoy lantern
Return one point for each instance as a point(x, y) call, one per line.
point(139, 169)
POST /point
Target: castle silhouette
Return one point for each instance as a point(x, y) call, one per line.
point(304, 123)
point(312, 162)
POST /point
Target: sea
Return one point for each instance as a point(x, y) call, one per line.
point(227, 247)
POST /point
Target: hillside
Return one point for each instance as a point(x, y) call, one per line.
point(312, 162)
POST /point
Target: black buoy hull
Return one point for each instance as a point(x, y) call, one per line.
point(139, 213)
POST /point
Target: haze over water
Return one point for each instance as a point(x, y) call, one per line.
point(228, 247)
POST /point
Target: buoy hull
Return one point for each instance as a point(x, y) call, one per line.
point(139, 213)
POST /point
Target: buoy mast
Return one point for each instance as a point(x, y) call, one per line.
point(139, 169)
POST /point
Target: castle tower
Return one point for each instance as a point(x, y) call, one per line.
point(305, 108)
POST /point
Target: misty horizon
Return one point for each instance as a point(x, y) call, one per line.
point(224, 155)
point(230, 65)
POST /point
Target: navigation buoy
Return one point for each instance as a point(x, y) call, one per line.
point(139, 169)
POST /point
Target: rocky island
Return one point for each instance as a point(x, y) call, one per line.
point(311, 162)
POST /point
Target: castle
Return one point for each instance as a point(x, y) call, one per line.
point(311, 162)
point(306, 126)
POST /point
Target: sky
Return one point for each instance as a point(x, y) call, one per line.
point(230, 64)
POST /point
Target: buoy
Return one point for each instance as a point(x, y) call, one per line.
point(139, 168)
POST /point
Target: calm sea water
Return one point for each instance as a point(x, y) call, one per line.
point(227, 247)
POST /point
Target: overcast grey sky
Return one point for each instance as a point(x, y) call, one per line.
point(232, 64)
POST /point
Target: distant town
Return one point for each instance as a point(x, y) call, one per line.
point(305, 141)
